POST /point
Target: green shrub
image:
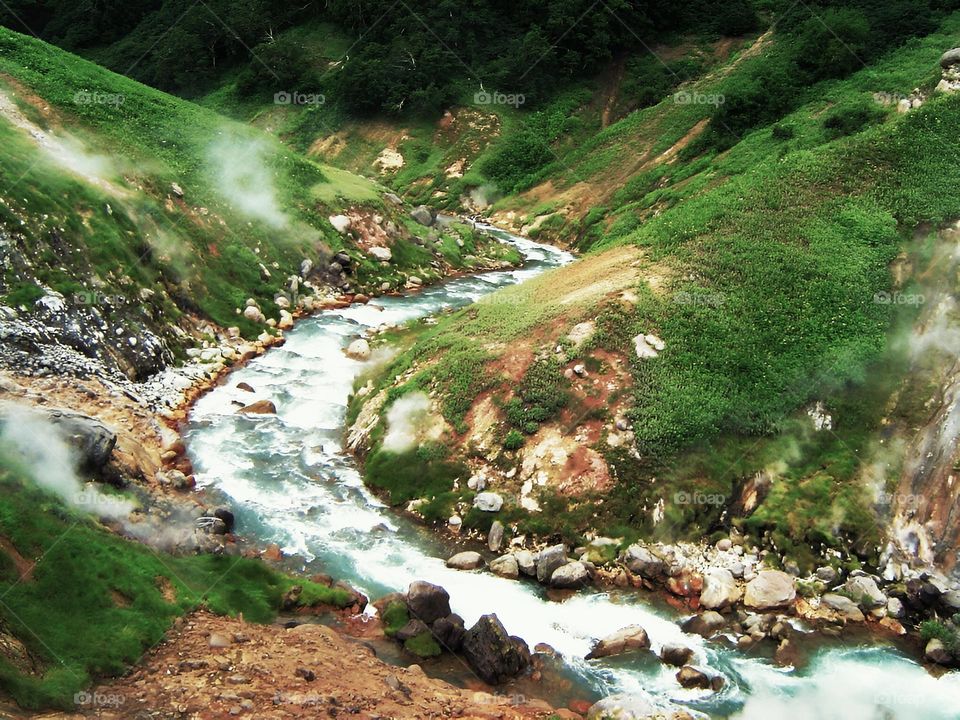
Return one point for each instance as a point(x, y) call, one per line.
point(514, 440)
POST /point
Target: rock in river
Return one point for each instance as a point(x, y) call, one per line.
point(467, 560)
point(505, 566)
point(427, 601)
point(260, 407)
point(494, 655)
point(358, 350)
point(623, 707)
point(632, 637)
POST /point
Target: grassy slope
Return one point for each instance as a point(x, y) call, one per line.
point(207, 249)
point(95, 603)
point(773, 253)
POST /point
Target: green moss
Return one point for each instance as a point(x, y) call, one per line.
point(395, 616)
point(423, 645)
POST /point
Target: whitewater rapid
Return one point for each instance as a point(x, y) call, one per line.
point(292, 483)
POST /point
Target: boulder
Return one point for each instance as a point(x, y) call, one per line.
point(623, 706)
point(549, 560)
point(467, 560)
point(423, 215)
point(950, 58)
point(91, 439)
point(254, 314)
point(415, 627)
point(865, 593)
point(381, 253)
point(676, 655)
point(770, 589)
point(644, 563)
point(428, 602)
point(936, 652)
point(827, 574)
point(506, 566)
point(358, 350)
point(260, 407)
point(571, 576)
point(843, 606)
point(492, 653)
point(488, 502)
point(705, 624)
point(245, 387)
point(628, 639)
point(691, 677)
point(719, 589)
point(449, 632)
point(527, 562)
point(341, 223)
point(495, 536)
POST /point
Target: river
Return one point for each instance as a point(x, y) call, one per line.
point(291, 483)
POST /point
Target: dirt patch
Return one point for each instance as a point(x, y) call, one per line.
point(310, 671)
point(167, 590)
point(23, 566)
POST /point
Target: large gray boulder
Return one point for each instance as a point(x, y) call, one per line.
point(92, 440)
point(843, 606)
point(493, 654)
point(950, 58)
point(770, 589)
point(527, 562)
point(720, 590)
point(628, 639)
point(644, 563)
point(467, 560)
point(505, 566)
point(864, 592)
point(423, 215)
point(549, 560)
point(571, 576)
point(427, 601)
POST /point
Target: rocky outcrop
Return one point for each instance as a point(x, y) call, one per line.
point(492, 653)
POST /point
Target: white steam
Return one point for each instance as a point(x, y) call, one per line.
point(410, 423)
point(40, 447)
point(243, 176)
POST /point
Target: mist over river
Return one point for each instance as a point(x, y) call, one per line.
point(291, 483)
